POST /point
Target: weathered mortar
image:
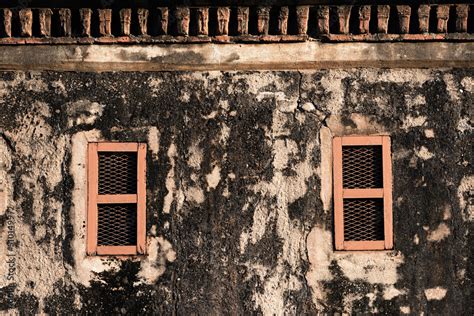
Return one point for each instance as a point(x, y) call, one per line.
point(239, 210)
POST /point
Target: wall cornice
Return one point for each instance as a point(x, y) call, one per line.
point(207, 57)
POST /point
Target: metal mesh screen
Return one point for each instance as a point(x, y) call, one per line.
point(362, 167)
point(117, 225)
point(363, 219)
point(117, 173)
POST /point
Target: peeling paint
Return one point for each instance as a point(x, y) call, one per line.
point(239, 191)
point(440, 233)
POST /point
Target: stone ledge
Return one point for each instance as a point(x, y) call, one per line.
point(210, 56)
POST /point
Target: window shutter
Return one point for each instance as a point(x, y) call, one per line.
point(116, 223)
point(362, 193)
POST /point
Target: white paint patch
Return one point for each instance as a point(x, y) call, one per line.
point(435, 294)
point(211, 115)
point(412, 76)
point(154, 84)
point(391, 292)
point(224, 104)
point(83, 112)
point(275, 288)
point(447, 212)
point(153, 266)
point(194, 194)
point(214, 178)
point(319, 247)
point(465, 188)
point(3, 193)
point(286, 147)
point(405, 310)
point(5, 179)
point(308, 107)
point(283, 103)
point(441, 232)
point(225, 134)
point(195, 156)
point(375, 267)
point(185, 97)
point(429, 133)
point(451, 88)
point(364, 125)
point(332, 82)
point(415, 102)
point(423, 153)
point(170, 181)
point(464, 124)
point(154, 141)
point(326, 167)
point(59, 87)
point(411, 121)
point(85, 265)
point(468, 84)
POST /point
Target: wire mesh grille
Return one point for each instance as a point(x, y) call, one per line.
point(117, 173)
point(117, 225)
point(363, 219)
point(362, 167)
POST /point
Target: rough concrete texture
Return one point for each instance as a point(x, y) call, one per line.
point(239, 199)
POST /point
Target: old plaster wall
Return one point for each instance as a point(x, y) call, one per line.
point(239, 209)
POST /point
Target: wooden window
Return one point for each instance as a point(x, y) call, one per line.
point(116, 223)
point(362, 193)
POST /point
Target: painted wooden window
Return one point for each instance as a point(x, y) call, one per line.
point(116, 215)
point(362, 193)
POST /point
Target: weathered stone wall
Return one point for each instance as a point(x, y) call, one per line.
point(239, 209)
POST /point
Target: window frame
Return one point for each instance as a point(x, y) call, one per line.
point(384, 193)
point(94, 199)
